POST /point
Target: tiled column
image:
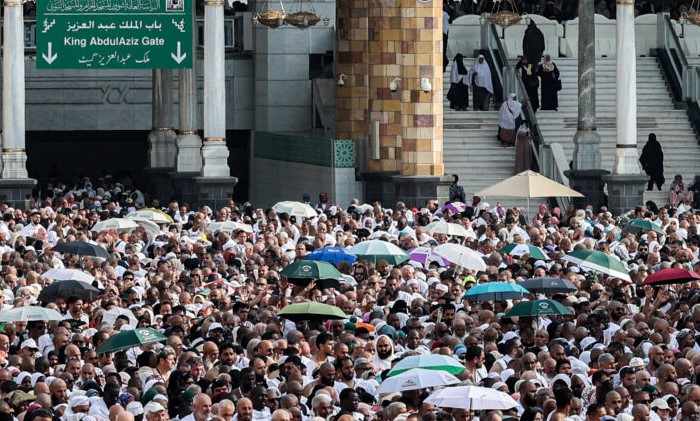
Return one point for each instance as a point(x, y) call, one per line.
point(352, 60)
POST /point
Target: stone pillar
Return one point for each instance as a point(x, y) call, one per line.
point(586, 176)
point(215, 185)
point(14, 154)
point(626, 184)
point(421, 102)
point(15, 185)
point(214, 151)
point(161, 139)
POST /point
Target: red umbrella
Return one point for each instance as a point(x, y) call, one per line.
point(671, 276)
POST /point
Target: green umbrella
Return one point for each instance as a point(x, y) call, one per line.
point(311, 310)
point(537, 308)
point(642, 226)
point(598, 261)
point(515, 249)
point(311, 269)
point(428, 362)
point(131, 339)
point(375, 250)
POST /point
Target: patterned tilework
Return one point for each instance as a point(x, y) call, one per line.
point(338, 153)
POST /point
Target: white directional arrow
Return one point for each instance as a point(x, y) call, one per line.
point(179, 57)
point(51, 57)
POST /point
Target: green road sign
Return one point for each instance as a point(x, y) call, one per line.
point(114, 34)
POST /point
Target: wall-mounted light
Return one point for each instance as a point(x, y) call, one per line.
point(425, 85)
point(341, 79)
point(394, 85)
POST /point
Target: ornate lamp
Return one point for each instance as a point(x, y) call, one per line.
point(270, 18)
point(504, 13)
point(692, 17)
point(303, 19)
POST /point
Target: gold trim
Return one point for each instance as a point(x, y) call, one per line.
point(215, 139)
point(625, 2)
point(186, 132)
point(213, 3)
point(10, 150)
point(13, 4)
point(163, 129)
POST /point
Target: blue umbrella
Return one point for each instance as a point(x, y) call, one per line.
point(333, 255)
point(495, 291)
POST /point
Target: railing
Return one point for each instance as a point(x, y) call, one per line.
point(233, 34)
point(495, 53)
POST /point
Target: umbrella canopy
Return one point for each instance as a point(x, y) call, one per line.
point(447, 228)
point(311, 310)
point(81, 248)
point(295, 208)
point(454, 207)
point(473, 398)
point(671, 276)
point(425, 256)
point(598, 261)
point(110, 316)
point(61, 274)
point(537, 308)
point(496, 291)
point(131, 339)
point(29, 313)
point(118, 224)
point(638, 226)
point(529, 184)
point(151, 227)
point(428, 362)
point(417, 378)
point(535, 252)
point(460, 255)
point(310, 269)
point(333, 255)
point(375, 250)
point(152, 214)
point(548, 285)
point(229, 226)
point(66, 289)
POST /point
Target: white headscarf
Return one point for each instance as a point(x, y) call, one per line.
point(384, 364)
point(510, 110)
point(483, 74)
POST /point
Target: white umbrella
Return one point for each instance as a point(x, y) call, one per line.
point(447, 228)
point(119, 224)
point(295, 208)
point(473, 398)
point(61, 274)
point(417, 378)
point(110, 317)
point(154, 215)
point(29, 313)
point(151, 227)
point(229, 226)
point(460, 255)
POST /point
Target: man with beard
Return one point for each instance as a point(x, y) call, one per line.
point(474, 363)
point(348, 379)
point(613, 403)
point(413, 342)
point(603, 384)
point(384, 354)
point(512, 348)
point(527, 391)
point(666, 373)
point(656, 358)
point(244, 410)
point(326, 377)
point(684, 371)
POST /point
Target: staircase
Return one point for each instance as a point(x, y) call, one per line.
point(472, 151)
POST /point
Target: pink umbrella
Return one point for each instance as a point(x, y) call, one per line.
point(425, 256)
point(454, 207)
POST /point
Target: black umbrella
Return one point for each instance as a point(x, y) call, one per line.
point(81, 248)
point(548, 285)
point(66, 289)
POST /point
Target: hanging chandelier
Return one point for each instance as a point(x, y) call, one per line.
point(693, 14)
point(504, 13)
point(301, 18)
point(270, 18)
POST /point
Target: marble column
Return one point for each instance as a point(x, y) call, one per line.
point(214, 152)
point(161, 139)
point(586, 175)
point(587, 141)
point(626, 157)
point(625, 184)
point(14, 154)
point(189, 144)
